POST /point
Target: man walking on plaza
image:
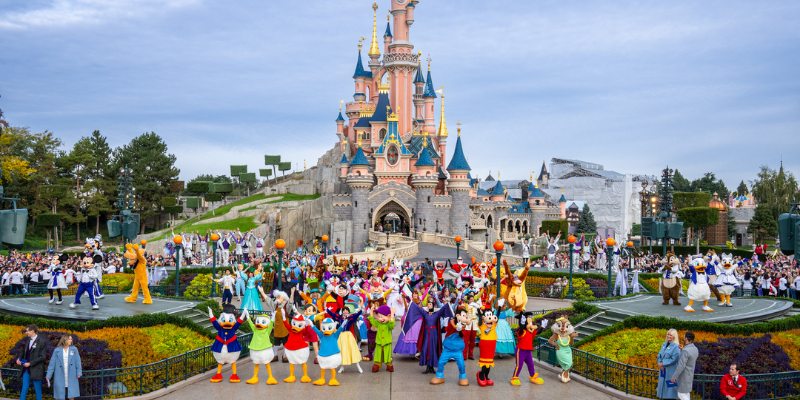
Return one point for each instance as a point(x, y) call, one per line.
point(684, 372)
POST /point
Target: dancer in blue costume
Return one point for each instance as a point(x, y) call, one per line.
point(251, 300)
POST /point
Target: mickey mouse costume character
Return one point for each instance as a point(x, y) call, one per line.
point(86, 278)
point(226, 346)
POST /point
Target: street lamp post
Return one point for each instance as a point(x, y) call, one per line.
point(571, 240)
point(280, 244)
point(177, 239)
point(325, 239)
point(610, 242)
point(631, 258)
point(458, 246)
point(498, 252)
point(214, 237)
point(387, 240)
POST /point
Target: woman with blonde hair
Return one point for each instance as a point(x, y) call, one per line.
point(64, 370)
point(667, 362)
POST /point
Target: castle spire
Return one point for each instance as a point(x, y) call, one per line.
point(429, 92)
point(388, 32)
point(442, 132)
point(374, 50)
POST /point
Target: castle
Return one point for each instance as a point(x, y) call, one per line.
point(394, 174)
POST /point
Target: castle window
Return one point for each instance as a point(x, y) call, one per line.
point(382, 134)
point(429, 199)
point(356, 204)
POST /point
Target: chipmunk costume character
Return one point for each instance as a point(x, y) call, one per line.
point(453, 347)
point(563, 338)
point(261, 351)
point(138, 263)
point(226, 347)
point(698, 287)
point(726, 281)
point(670, 282)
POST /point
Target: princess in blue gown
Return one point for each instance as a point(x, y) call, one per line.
point(251, 300)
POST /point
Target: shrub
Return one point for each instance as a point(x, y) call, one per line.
point(123, 282)
point(199, 288)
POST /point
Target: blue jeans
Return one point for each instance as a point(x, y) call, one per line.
point(26, 383)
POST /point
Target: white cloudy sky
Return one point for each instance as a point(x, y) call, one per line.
point(634, 85)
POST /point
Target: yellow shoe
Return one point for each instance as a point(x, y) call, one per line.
point(290, 379)
point(130, 299)
point(272, 381)
point(318, 382)
point(333, 382)
point(252, 381)
point(147, 301)
point(515, 381)
point(535, 379)
point(305, 379)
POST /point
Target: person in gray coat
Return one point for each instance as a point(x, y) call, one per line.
point(667, 362)
point(64, 370)
point(684, 372)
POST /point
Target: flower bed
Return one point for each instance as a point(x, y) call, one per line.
point(123, 282)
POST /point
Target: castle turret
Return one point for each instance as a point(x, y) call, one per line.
point(424, 182)
point(458, 187)
point(544, 176)
point(429, 95)
point(562, 206)
point(387, 36)
point(498, 192)
point(360, 76)
point(360, 180)
point(441, 133)
point(340, 124)
point(419, 101)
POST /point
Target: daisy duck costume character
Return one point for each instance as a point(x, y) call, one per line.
point(726, 281)
point(226, 346)
point(698, 286)
point(453, 347)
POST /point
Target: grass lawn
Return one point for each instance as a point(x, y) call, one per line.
point(243, 223)
point(227, 207)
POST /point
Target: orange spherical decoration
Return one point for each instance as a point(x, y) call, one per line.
point(324, 238)
point(143, 242)
point(629, 244)
point(473, 260)
point(494, 260)
point(571, 239)
point(457, 239)
point(214, 237)
point(280, 244)
point(177, 239)
point(610, 242)
point(299, 242)
point(498, 245)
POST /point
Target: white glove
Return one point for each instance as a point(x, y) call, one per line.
point(544, 323)
point(459, 326)
point(210, 313)
point(500, 302)
point(245, 314)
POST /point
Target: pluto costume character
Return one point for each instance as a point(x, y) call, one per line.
point(138, 263)
point(698, 287)
point(670, 284)
point(226, 347)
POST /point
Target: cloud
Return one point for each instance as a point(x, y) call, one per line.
point(63, 13)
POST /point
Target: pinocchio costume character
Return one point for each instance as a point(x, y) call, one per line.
point(487, 333)
point(226, 346)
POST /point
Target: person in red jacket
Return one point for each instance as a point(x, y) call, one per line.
point(733, 386)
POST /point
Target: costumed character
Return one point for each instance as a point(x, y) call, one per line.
point(297, 352)
point(86, 278)
point(252, 300)
point(526, 334)
point(58, 280)
point(487, 334)
point(621, 281)
point(506, 345)
point(329, 355)
point(727, 281)
point(698, 286)
point(280, 332)
point(348, 345)
point(382, 321)
point(670, 282)
point(261, 351)
point(470, 330)
point(453, 347)
point(429, 344)
point(512, 287)
point(552, 249)
point(408, 341)
point(226, 346)
point(712, 271)
point(563, 338)
point(137, 262)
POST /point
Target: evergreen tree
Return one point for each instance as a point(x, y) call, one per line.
point(586, 223)
point(742, 189)
point(89, 166)
point(763, 225)
point(680, 183)
point(709, 183)
point(776, 190)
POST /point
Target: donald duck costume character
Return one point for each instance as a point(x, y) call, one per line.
point(226, 347)
point(329, 355)
point(698, 287)
point(300, 335)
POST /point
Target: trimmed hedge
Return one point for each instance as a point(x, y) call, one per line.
point(140, 321)
point(552, 227)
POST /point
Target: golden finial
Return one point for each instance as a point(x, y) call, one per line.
point(531, 176)
point(429, 61)
point(341, 103)
point(458, 127)
point(374, 50)
point(425, 139)
point(391, 115)
point(361, 43)
point(442, 132)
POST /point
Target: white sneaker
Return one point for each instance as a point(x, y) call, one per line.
point(72, 305)
point(51, 301)
point(101, 296)
point(95, 307)
point(707, 308)
point(688, 309)
point(721, 304)
point(59, 302)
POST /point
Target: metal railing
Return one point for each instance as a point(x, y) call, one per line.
point(136, 380)
point(639, 381)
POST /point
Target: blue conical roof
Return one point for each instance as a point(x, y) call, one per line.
point(359, 158)
point(498, 189)
point(425, 159)
point(360, 71)
point(340, 118)
point(562, 199)
point(418, 78)
point(429, 91)
point(458, 162)
point(534, 191)
point(344, 159)
point(388, 30)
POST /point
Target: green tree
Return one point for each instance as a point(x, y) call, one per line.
point(763, 225)
point(586, 222)
point(89, 166)
point(709, 183)
point(680, 183)
point(742, 189)
point(698, 218)
point(775, 190)
point(153, 169)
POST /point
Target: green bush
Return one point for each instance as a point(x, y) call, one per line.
point(141, 320)
point(580, 290)
point(199, 288)
point(552, 227)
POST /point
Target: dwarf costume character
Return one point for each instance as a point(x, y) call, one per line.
point(382, 321)
point(261, 351)
point(226, 347)
point(453, 347)
point(86, 278)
